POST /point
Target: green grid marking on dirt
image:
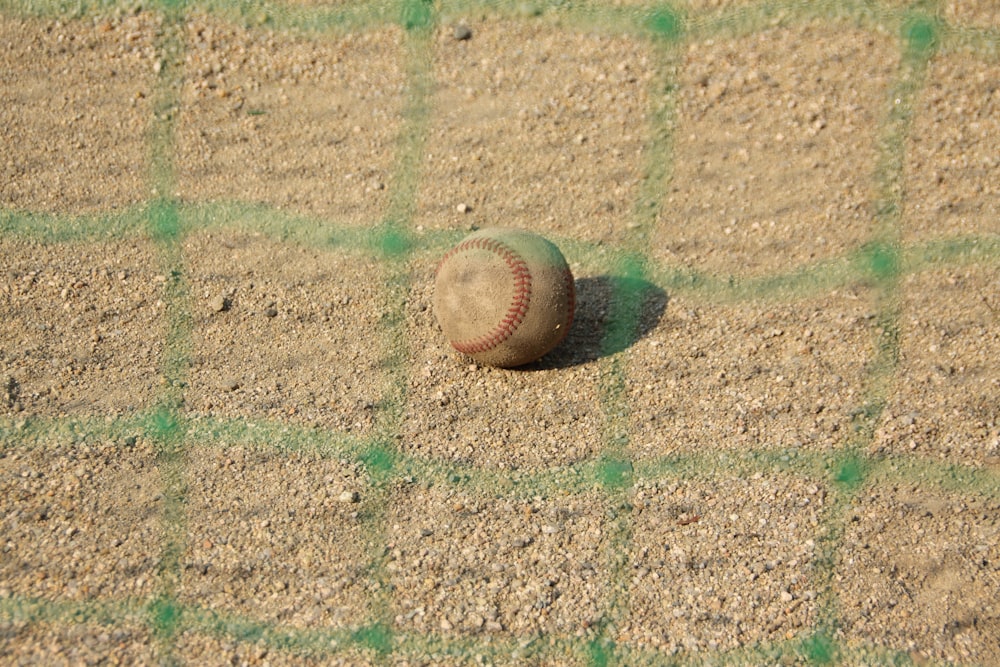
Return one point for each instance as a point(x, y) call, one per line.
point(378, 642)
point(881, 262)
point(391, 242)
point(167, 426)
point(281, 439)
point(170, 618)
point(918, 37)
point(49, 228)
point(629, 287)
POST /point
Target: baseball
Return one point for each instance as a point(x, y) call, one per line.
point(504, 297)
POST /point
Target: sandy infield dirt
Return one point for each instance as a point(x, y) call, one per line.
point(231, 431)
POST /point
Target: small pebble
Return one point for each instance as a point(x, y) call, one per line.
point(349, 497)
point(462, 33)
point(219, 304)
point(271, 311)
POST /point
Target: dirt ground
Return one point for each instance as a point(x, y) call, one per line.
point(232, 432)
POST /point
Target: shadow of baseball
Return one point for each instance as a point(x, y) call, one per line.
point(612, 314)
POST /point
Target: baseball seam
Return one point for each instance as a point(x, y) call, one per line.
point(519, 303)
point(571, 297)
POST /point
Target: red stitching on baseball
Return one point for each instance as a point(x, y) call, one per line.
point(519, 303)
point(571, 294)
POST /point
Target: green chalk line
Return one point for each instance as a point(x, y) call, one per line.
point(389, 241)
point(318, 18)
point(628, 282)
point(918, 39)
point(830, 468)
point(94, 228)
point(653, 20)
point(60, 8)
point(101, 612)
point(751, 19)
point(166, 426)
point(592, 475)
point(374, 640)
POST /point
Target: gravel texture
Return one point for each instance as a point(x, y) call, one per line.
point(576, 102)
point(291, 552)
point(78, 110)
point(926, 562)
point(785, 137)
point(313, 124)
point(707, 572)
point(762, 376)
point(81, 520)
point(952, 165)
point(83, 327)
point(308, 306)
point(76, 643)
point(948, 367)
point(237, 436)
